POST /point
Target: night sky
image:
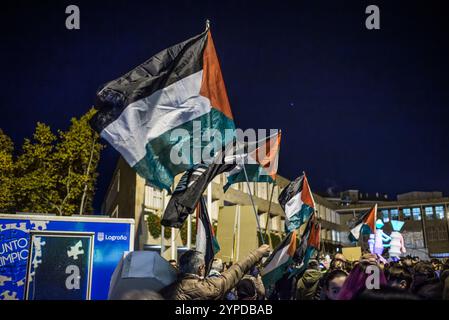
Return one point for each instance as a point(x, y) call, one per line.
point(364, 109)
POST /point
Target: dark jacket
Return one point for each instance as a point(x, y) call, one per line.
point(307, 285)
point(193, 287)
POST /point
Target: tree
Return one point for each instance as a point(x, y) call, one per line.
point(76, 160)
point(6, 173)
point(53, 173)
point(35, 174)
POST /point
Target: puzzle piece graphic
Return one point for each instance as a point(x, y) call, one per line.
point(4, 279)
point(8, 295)
point(37, 243)
point(76, 250)
point(20, 282)
point(14, 226)
point(39, 225)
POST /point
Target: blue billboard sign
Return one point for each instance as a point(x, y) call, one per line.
point(45, 257)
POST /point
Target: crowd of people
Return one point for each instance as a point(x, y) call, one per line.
point(336, 278)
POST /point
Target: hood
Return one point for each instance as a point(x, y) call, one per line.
point(310, 277)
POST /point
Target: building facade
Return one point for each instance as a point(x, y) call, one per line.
point(231, 213)
point(426, 216)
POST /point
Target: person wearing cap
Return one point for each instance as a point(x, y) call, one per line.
point(307, 285)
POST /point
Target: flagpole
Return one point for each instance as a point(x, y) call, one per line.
point(269, 208)
point(173, 243)
point(209, 200)
point(189, 231)
point(254, 207)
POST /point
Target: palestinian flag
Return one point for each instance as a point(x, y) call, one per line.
point(278, 262)
point(260, 160)
point(142, 113)
point(206, 242)
point(297, 202)
point(310, 241)
point(314, 236)
point(365, 224)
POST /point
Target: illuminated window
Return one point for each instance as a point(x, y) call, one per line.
point(407, 213)
point(154, 198)
point(394, 213)
point(439, 212)
point(429, 213)
point(416, 214)
point(385, 216)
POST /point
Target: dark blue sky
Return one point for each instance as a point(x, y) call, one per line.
point(358, 108)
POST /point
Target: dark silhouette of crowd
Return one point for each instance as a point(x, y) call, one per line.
point(336, 278)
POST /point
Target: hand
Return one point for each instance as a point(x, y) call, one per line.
point(264, 250)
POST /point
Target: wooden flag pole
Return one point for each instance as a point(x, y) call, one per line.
point(269, 208)
point(254, 207)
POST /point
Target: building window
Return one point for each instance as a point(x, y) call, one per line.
point(407, 213)
point(154, 198)
point(439, 212)
point(442, 233)
point(394, 213)
point(432, 235)
point(334, 217)
point(429, 213)
point(385, 217)
point(416, 214)
point(328, 215)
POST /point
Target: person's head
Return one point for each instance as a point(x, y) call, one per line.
point(333, 283)
point(337, 264)
point(399, 277)
point(313, 264)
point(217, 265)
point(445, 265)
point(340, 256)
point(173, 263)
point(386, 293)
point(436, 264)
point(357, 280)
point(423, 274)
point(192, 262)
point(246, 290)
point(139, 294)
point(407, 262)
point(444, 275)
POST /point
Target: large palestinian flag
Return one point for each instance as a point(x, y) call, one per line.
point(297, 202)
point(179, 88)
point(260, 160)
